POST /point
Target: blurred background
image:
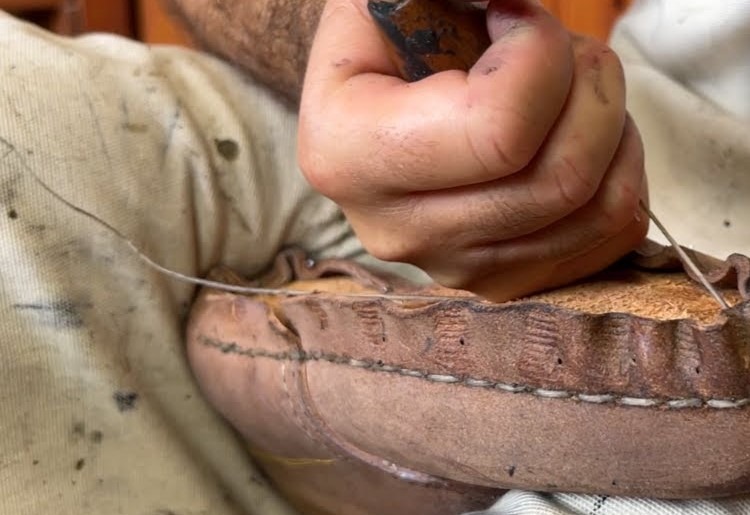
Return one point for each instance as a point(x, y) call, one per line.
point(150, 22)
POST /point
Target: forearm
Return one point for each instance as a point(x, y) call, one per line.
point(270, 39)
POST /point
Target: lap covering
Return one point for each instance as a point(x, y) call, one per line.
point(196, 165)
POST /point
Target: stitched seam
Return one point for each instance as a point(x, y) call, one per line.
point(469, 382)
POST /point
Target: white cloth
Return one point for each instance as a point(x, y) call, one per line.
point(99, 412)
point(687, 65)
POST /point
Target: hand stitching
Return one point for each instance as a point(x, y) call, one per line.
point(469, 382)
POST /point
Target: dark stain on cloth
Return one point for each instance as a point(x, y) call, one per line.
point(78, 431)
point(80, 464)
point(59, 314)
point(135, 127)
point(96, 436)
point(6, 148)
point(125, 400)
point(227, 148)
point(8, 188)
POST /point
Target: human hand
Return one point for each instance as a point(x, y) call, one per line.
point(523, 173)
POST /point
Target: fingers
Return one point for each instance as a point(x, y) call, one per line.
point(505, 130)
point(596, 235)
point(564, 176)
point(515, 282)
point(520, 174)
point(614, 207)
point(449, 130)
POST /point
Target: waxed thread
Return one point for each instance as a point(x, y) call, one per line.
point(289, 462)
point(469, 382)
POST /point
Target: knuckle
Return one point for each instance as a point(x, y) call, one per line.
point(511, 143)
point(575, 185)
point(496, 218)
point(619, 214)
point(319, 177)
point(308, 152)
point(320, 180)
point(321, 173)
point(499, 148)
point(626, 194)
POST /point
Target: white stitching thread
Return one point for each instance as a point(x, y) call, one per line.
point(379, 366)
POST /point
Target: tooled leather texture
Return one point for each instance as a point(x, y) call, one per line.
point(462, 398)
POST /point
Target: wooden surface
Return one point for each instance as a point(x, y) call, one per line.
point(148, 21)
point(591, 17)
point(60, 16)
point(71, 17)
point(156, 25)
point(114, 16)
point(20, 5)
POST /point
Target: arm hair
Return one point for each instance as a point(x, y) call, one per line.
point(269, 39)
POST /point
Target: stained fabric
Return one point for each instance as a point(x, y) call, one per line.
point(195, 164)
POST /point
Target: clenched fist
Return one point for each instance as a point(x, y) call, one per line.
point(523, 173)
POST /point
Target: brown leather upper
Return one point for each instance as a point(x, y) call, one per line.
point(370, 405)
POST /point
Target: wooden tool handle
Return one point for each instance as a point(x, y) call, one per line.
point(428, 36)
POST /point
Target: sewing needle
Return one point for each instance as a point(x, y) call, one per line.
point(686, 260)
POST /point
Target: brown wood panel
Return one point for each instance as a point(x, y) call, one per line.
point(591, 17)
point(27, 5)
point(149, 21)
point(71, 17)
point(157, 26)
point(61, 16)
point(113, 16)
